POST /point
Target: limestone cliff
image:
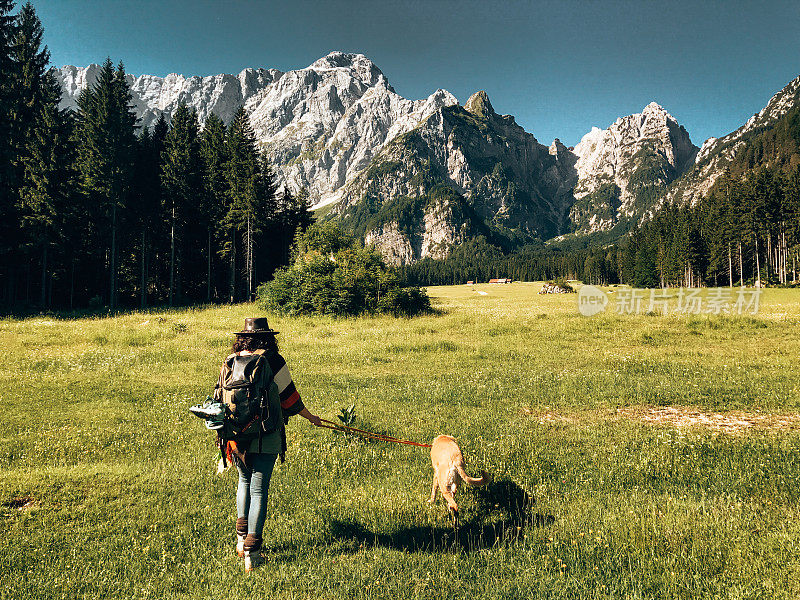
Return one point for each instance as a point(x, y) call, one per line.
point(623, 170)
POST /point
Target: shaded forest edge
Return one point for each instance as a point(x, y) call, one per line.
point(99, 213)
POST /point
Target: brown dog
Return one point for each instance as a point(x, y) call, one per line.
point(448, 471)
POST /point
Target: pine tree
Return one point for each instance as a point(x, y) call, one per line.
point(303, 217)
point(28, 85)
point(283, 224)
point(41, 141)
point(792, 195)
point(213, 150)
point(9, 221)
point(262, 220)
point(47, 183)
point(242, 174)
point(106, 154)
point(148, 200)
point(181, 177)
point(7, 34)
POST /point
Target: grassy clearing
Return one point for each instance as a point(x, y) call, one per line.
point(107, 486)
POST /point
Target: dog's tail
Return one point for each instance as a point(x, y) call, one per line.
point(483, 479)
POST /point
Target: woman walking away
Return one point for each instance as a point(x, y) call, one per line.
point(243, 372)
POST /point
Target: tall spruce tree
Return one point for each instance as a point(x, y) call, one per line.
point(106, 154)
point(47, 182)
point(292, 216)
point(242, 174)
point(28, 85)
point(261, 221)
point(8, 217)
point(7, 34)
point(181, 178)
point(303, 217)
point(41, 137)
point(792, 194)
point(213, 150)
point(148, 196)
point(285, 218)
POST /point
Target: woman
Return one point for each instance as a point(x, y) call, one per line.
point(256, 462)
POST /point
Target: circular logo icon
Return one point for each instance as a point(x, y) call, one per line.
point(591, 300)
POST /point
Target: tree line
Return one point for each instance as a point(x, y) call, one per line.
point(478, 260)
point(746, 230)
point(98, 211)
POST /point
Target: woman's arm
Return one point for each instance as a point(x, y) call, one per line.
point(311, 417)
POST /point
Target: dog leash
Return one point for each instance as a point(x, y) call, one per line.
point(368, 434)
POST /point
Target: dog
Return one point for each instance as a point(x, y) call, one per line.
point(448, 472)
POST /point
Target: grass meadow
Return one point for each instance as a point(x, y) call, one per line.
point(108, 485)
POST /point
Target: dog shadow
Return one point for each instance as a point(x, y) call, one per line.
point(501, 512)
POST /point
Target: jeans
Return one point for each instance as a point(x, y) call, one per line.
point(251, 495)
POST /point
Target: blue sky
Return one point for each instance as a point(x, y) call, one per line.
point(559, 67)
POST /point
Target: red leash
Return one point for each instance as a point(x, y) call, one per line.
point(369, 434)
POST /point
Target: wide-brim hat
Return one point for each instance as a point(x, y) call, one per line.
point(256, 326)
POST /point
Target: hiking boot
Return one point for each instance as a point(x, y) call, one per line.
point(252, 552)
point(241, 535)
point(252, 560)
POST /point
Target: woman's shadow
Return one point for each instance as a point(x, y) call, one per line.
point(502, 511)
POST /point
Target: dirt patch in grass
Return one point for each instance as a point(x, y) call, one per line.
point(728, 422)
point(675, 416)
point(20, 503)
point(13, 507)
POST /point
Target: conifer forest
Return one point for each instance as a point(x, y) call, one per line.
point(98, 211)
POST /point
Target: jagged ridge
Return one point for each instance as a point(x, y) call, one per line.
point(418, 176)
point(717, 153)
point(320, 125)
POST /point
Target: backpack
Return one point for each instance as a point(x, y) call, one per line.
point(248, 390)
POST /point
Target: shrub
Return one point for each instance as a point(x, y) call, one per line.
point(562, 283)
point(405, 302)
point(332, 275)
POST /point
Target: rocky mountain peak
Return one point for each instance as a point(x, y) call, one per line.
point(651, 142)
point(655, 108)
point(717, 153)
point(479, 105)
point(417, 176)
point(357, 64)
point(652, 117)
point(320, 125)
point(461, 172)
point(153, 96)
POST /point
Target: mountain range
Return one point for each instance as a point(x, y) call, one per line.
point(415, 177)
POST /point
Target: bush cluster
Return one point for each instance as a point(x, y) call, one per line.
point(331, 274)
point(562, 283)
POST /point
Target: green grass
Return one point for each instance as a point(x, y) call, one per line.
point(124, 502)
